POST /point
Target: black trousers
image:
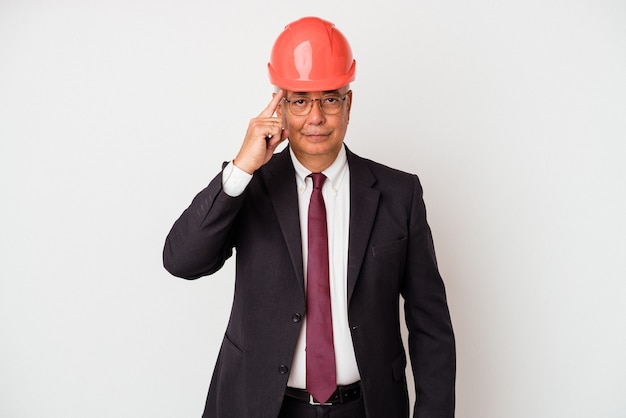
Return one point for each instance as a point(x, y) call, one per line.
point(295, 408)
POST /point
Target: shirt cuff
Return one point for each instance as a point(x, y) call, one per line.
point(234, 180)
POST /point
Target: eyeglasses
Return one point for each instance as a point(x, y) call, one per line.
point(330, 104)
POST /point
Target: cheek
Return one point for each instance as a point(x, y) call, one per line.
point(291, 123)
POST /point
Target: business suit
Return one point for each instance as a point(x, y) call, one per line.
point(390, 253)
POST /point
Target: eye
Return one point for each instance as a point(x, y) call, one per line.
point(299, 102)
point(332, 100)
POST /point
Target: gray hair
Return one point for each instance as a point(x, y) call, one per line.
point(277, 89)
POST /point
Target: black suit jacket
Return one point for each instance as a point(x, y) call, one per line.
point(390, 254)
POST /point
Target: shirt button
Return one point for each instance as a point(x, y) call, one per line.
point(296, 318)
point(282, 369)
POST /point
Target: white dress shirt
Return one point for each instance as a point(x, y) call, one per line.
point(336, 192)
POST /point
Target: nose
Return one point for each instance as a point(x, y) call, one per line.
point(316, 116)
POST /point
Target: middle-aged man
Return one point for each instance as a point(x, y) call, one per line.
point(326, 242)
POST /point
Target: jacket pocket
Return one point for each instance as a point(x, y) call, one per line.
point(389, 247)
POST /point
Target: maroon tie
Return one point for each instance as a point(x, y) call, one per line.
point(321, 379)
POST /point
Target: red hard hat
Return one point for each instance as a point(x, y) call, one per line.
point(311, 55)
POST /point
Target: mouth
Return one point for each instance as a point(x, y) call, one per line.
point(316, 135)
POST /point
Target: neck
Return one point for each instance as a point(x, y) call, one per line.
point(316, 163)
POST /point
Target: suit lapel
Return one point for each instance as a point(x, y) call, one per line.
point(363, 206)
point(280, 183)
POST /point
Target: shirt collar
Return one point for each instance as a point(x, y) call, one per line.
point(334, 173)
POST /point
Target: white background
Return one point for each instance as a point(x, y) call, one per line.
point(113, 114)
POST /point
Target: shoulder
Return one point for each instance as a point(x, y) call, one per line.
point(383, 175)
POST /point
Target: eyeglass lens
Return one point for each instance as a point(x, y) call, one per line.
point(301, 106)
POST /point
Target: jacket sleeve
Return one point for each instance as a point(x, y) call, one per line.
point(431, 338)
point(202, 238)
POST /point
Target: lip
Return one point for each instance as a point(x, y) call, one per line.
point(316, 136)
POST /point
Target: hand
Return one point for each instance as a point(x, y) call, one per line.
point(264, 134)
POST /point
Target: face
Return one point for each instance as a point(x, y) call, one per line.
point(316, 138)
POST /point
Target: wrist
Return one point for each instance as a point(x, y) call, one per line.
point(243, 166)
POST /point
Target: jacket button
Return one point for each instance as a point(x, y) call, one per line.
point(296, 318)
point(282, 369)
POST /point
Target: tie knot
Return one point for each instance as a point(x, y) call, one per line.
point(318, 180)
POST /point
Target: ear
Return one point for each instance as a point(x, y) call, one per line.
point(279, 113)
point(349, 105)
point(279, 108)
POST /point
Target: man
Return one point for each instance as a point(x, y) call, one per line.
point(326, 242)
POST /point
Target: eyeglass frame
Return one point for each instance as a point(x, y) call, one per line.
point(312, 100)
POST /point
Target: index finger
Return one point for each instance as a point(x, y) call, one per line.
point(268, 112)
